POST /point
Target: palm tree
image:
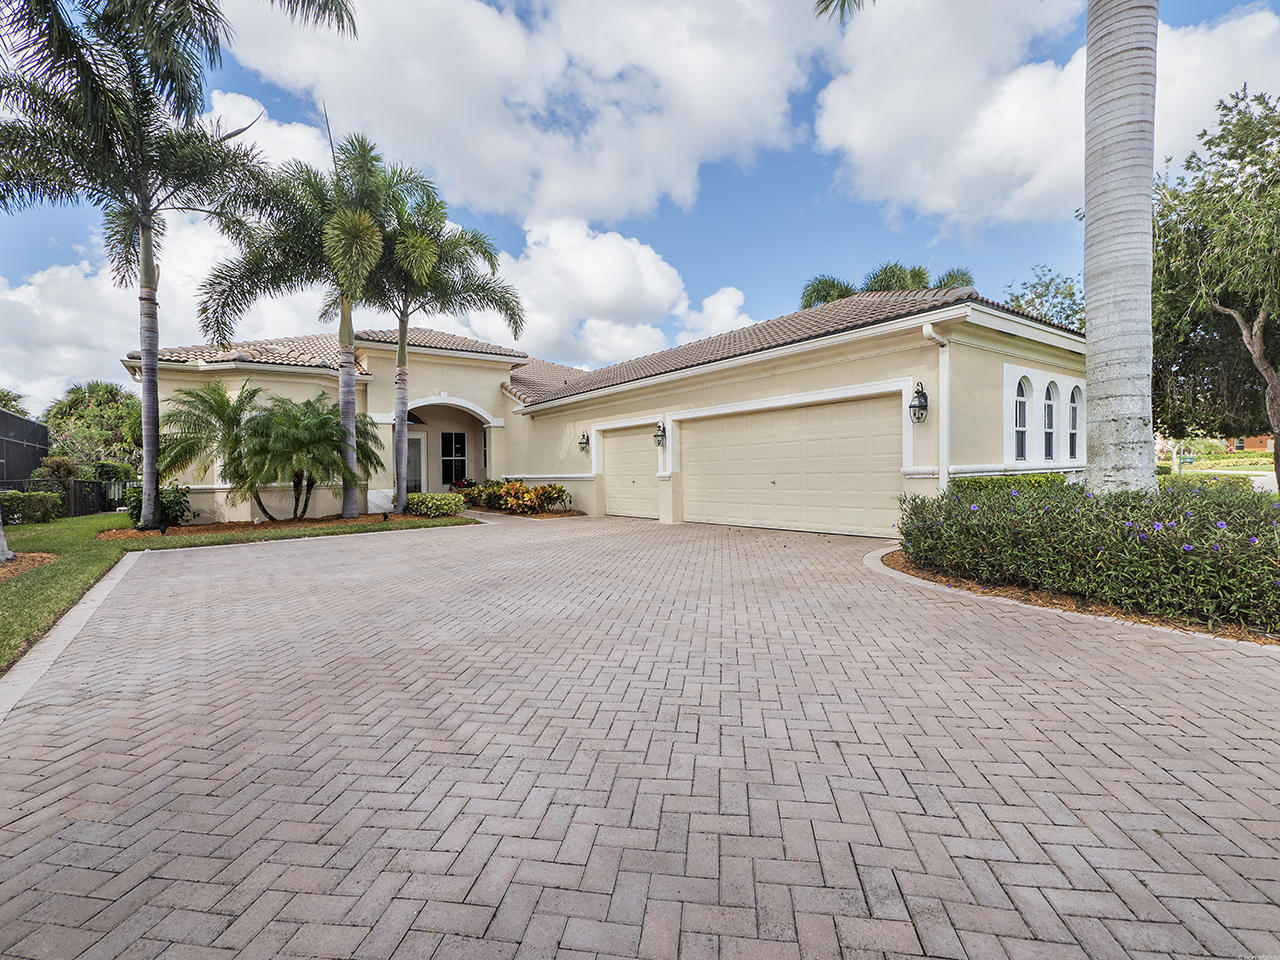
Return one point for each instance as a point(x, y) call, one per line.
point(145, 166)
point(5, 553)
point(205, 429)
point(892, 275)
point(430, 267)
point(302, 443)
point(955, 277)
point(823, 289)
point(320, 228)
point(55, 43)
point(13, 401)
point(1119, 148)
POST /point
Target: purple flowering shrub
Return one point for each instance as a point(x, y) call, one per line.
point(1202, 550)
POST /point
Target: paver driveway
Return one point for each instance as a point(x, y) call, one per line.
point(613, 737)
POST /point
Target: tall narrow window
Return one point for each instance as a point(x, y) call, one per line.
point(1020, 421)
point(453, 457)
point(1073, 425)
point(1239, 443)
point(1049, 421)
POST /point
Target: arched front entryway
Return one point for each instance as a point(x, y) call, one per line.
point(447, 442)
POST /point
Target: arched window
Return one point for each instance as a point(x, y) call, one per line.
point(1050, 423)
point(1073, 425)
point(1020, 420)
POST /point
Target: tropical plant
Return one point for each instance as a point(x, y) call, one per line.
point(428, 267)
point(174, 505)
point(56, 43)
point(144, 165)
point(320, 229)
point(12, 401)
point(823, 289)
point(302, 443)
point(1053, 296)
point(1217, 277)
point(95, 420)
point(435, 504)
point(5, 553)
point(204, 430)
point(1119, 113)
point(891, 275)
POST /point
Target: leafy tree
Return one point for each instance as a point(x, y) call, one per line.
point(95, 420)
point(891, 275)
point(145, 165)
point(321, 229)
point(1119, 113)
point(1054, 296)
point(1217, 276)
point(204, 430)
point(430, 267)
point(823, 289)
point(12, 401)
point(301, 443)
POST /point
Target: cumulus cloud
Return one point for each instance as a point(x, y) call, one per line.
point(567, 110)
point(952, 121)
point(277, 141)
point(720, 312)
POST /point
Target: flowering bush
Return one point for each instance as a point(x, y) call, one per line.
point(434, 504)
point(1201, 549)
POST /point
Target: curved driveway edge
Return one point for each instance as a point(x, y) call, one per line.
point(33, 664)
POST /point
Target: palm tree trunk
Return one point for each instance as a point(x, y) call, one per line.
point(306, 502)
point(297, 492)
point(1120, 90)
point(149, 341)
point(401, 426)
point(257, 499)
point(347, 406)
point(5, 553)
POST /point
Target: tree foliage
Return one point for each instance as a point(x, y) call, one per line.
point(1051, 295)
point(1217, 277)
point(891, 275)
point(14, 402)
point(96, 420)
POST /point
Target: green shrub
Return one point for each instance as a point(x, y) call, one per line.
point(435, 504)
point(31, 507)
point(1006, 481)
point(112, 471)
point(1208, 552)
point(175, 505)
point(1163, 469)
point(1195, 482)
point(58, 468)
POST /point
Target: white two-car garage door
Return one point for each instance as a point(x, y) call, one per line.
point(832, 467)
point(630, 472)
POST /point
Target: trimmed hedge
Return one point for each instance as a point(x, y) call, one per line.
point(35, 507)
point(1007, 482)
point(435, 504)
point(175, 507)
point(1199, 550)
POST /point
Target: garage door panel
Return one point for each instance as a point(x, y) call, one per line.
point(831, 467)
point(630, 473)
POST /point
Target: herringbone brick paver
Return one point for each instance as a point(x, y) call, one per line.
point(608, 738)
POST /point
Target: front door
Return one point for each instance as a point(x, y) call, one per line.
point(413, 476)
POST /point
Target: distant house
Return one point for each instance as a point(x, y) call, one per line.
point(816, 420)
point(1264, 443)
point(23, 444)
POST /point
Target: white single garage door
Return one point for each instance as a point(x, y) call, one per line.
point(832, 467)
point(630, 473)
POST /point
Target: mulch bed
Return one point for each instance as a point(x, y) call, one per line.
point(897, 560)
point(22, 562)
point(128, 533)
point(549, 515)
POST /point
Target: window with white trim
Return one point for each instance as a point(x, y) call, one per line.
point(1050, 420)
point(1020, 420)
point(1073, 425)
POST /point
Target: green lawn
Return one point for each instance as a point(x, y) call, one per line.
point(30, 602)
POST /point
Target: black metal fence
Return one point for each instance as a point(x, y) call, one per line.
point(79, 497)
point(23, 443)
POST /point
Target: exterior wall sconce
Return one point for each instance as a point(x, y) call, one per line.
point(584, 442)
point(919, 405)
point(660, 435)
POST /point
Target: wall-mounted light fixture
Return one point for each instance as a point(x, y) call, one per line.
point(660, 435)
point(919, 405)
point(584, 442)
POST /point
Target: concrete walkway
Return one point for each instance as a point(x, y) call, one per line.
point(610, 738)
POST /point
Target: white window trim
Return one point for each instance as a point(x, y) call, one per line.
point(1078, 429)
point(1049, 403)
point(1040, 380)
point(1021, 410)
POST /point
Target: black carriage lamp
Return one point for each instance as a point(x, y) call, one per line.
point(584, 442)
point(660, 435)
point(919, 405)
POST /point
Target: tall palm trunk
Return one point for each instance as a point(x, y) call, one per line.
point(306, 500)
point(401, 426)
point(1120, 90)
point(5, 553)
point(347, 406)
point(149, 341)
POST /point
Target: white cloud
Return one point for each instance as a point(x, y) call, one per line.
point(720, 312)
point(278, 141)
point(566, 110)
point(949, 120)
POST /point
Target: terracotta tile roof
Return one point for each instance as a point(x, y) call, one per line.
point(320, 349)
point(859, 310)
point(538, 377)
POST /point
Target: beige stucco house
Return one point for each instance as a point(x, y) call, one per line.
point(801, 422)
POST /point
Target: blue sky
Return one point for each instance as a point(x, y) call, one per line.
point(625, 188)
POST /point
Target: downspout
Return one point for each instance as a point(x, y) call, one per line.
point(944, 404)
